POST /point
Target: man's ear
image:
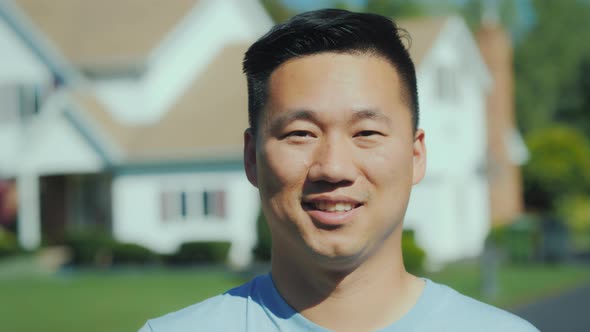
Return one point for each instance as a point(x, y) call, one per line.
point(419, 153)
point(250, 156)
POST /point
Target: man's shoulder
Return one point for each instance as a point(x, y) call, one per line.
point(462, 311)
point(182, 319)
point(217, 313)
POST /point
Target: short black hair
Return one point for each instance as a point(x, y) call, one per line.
point(327, 30)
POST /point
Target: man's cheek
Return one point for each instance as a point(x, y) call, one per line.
point(287, 167)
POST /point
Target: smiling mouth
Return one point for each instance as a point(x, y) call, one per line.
point(333, 207)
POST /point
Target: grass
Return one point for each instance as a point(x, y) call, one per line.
point(122, 300)
point(103, 301)
point(516, 284)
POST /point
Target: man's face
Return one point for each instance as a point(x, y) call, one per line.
point(335, 156)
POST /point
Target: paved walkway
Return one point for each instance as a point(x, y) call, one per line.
point(567, 312)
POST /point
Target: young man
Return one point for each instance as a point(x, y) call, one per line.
point(334, 149)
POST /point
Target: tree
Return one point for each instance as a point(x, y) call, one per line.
point(506, 11)
point(548, 62)
point(559, 166)
point(574, 103)
point(575, 211)
point(400, 8)
point(277, 10)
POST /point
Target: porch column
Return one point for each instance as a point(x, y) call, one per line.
point(29, 221)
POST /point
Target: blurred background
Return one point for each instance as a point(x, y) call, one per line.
point(122, 191)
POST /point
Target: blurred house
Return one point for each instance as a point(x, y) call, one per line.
point(141, 134)
point(449, 209)
point(474, 149)
point(128, 116)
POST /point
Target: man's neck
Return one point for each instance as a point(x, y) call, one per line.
point(371, 296)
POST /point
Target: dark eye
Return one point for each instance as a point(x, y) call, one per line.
point(366, 133)
point(298, 136)
point(299, 133)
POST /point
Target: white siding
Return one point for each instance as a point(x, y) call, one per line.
point(54, 146)
point(174, 65)
point(17, 62)
point(18, 67)
point(137, 215)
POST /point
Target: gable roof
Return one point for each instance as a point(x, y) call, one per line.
point(426, 33)
point(423, 32)
point(207, 121)
point(106, 31)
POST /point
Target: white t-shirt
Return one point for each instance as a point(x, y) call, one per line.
point(258, 307)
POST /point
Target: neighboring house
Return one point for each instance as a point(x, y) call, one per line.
point(144, 138)
point(449, 210)
point(139, 125)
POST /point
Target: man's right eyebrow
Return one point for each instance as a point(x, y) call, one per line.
point(282, 120)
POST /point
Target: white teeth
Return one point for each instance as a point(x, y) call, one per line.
point(333, 207)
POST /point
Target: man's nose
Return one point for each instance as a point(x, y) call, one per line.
point(333, 162)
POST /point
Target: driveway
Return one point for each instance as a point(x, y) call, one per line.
point(567, 312)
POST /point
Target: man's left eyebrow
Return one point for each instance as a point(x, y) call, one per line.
point(286, 118)
point(370, 114)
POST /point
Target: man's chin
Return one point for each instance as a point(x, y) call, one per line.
point(338, 257)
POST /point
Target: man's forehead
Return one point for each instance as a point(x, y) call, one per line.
point(330, 73)
point(326, 74)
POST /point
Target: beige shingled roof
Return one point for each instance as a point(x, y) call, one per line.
point(98, 32)
point(208, 120)
point(423, 32)
point(212, 113)
point(96, 112)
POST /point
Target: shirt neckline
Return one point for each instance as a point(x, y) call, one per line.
point(405, 323)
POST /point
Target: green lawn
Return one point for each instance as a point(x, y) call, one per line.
point(517, 284)
point(109, 301)
point(123, 300)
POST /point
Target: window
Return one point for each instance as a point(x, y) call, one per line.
point(170, 206)
point(192, 205)
point(214, 203)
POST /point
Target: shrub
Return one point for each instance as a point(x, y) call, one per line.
point(574, 210)
point(517, 240)
point(414, 256)
point(264, 244)
point(90, 247)
point(131, 253)
point(200, 252)
point(8, 244)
